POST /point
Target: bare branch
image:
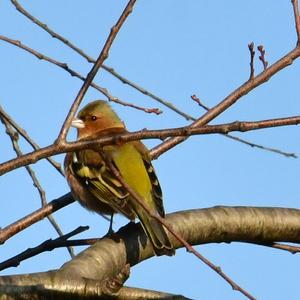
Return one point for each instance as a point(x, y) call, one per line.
point(114, 99)
point(92, 60)
point(181, 132)
point(187, 245)
point(262, 57)
point(91, 75)
point(214, 225)
point(48, 245)
point(265, 148)
point(74, 73)
point(252, 54)
point(14, 228)
point(14, 139)
point(243, 141)
point(24, 134)
point(282, 63)
point(284, 247)
point(297, 19)
point(130, 83)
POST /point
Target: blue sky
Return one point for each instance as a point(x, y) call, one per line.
point(174, 49)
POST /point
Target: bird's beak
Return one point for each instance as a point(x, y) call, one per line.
point(77, 123)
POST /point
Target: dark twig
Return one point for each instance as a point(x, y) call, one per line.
point(48, 245)
point(14, 228)
point(262, 57)
point(189, 247)
point(252, 54)
point(199, 102)
point(286, 154)
point(24, 134)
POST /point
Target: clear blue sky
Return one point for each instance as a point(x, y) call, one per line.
point(174, 49)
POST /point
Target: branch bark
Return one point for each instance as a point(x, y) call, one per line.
point(94, 269)
point(181, 133)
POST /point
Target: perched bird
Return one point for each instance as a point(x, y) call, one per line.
point(96, 187)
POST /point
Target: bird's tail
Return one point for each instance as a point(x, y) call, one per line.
point(157, 235)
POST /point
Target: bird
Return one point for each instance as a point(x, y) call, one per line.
point(95, 185)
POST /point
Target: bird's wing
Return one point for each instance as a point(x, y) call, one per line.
point(97, 178)
point(156, 189)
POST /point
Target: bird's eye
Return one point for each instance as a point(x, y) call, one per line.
point(94, 118)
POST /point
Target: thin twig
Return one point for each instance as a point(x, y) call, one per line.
point(74, 73)
point(153, 214)
point(279, 246)
point(245, 88)
point(91, 75)
point(14, 137)
point(262, 57)
point(147, 93)
point(48, 245)
point(265, 148)
point(297, 19)
point(114, 99)
point(59, 64)
point(278, 151)
point(252, 54)
point(231, 99)
point(60, 233)
point(199, 102)
point(24, 134)
point(123, 79)
point(156, 111)
point(92, 60)
point(50, 31)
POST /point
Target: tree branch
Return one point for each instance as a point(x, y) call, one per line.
point(16, 227)
point(91, 75)
point(92, 60)
point(181, 132)
point(108, 257)
point(243, 141)
point(48, 245)
point(27, 138)
point(244, 89)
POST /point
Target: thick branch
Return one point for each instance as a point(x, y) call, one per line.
point(107, 258)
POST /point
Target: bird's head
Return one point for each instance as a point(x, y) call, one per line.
point(95, 118)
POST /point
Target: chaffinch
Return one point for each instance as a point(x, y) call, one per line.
point(95, 185)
